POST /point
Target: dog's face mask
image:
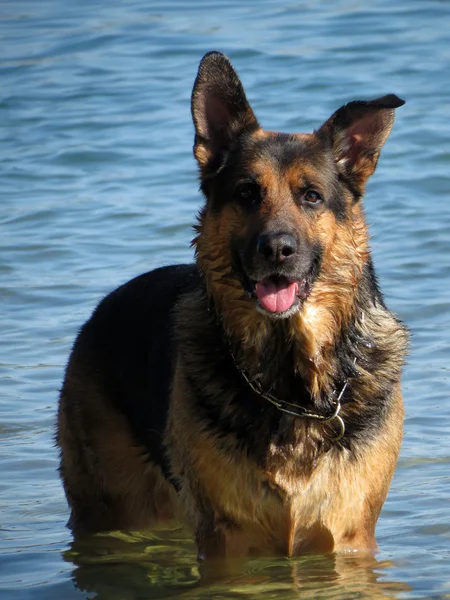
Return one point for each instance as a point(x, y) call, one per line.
point(278, 205)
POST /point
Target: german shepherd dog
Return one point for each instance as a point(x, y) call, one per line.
point(256, 393)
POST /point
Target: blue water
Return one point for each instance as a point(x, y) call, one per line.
point(99, 184)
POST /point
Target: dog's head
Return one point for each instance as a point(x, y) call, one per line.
point(282, 211)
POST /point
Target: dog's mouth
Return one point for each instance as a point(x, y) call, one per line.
point(280, 296)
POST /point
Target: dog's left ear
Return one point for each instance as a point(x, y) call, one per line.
point(357, 132)
point(220, 111)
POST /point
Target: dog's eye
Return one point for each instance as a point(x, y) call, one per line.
point(248, 193)
point(313, 197)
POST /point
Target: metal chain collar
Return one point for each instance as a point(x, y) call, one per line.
point(287, 407)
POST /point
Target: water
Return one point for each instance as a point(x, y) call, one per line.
point(99, 184)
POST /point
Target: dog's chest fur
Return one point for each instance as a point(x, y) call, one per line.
point(290, 501)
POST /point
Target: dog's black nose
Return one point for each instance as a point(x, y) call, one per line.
point(276, 247)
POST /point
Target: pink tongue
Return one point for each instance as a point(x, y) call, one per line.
point(276, 297)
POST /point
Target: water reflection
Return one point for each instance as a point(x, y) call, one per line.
point(163, 564)
point(134, 565)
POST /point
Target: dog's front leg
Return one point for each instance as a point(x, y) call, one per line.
point(212, 492)
point(220, 539)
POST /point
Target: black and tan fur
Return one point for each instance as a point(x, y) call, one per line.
point(157, 420)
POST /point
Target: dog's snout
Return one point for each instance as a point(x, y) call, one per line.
point(276, 247)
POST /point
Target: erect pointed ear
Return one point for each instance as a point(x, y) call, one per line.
point(357, 132)
point(220, 111)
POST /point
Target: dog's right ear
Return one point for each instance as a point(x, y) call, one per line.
point(220, 111)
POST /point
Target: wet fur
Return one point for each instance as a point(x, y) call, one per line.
point(156, 420)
